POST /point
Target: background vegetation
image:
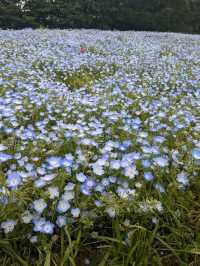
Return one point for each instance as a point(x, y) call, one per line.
point(152, 15)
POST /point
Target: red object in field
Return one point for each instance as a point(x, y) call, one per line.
point(82, 50)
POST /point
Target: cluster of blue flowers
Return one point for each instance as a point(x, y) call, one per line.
point(135, 126)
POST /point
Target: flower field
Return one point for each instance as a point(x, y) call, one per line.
point(99, 148)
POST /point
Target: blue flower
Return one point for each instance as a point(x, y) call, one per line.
point(61, 221)
point(5, 157)
point(98, 203)
point(159, 139)
point(161, 161)
point(75, 212)
point(81, 177)
point(85, 190)
point(67, 161)
point(13, 180)
point(70, 186)
point(146, 163)
point(196, 153)
point(100, 188)
point(160, 188)
point(40, 183)
point(148, 176)
point(182, 178)
point(115, 164)
point(39, 205)
point(3, 147)
point(112, 179)
point(54, 162)
point(48, 228)
point(63, 206)
point(38, 224)
point(90, 183)
point(8, 226)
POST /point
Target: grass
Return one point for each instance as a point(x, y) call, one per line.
point(85, 77)
point(174, 240)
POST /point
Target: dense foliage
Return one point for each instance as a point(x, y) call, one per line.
point(154, 15)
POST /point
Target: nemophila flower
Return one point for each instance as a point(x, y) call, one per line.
point(99, 188)
point(41, 171)
point(75, 212)
point(63, 206)
point(136, 156)
point(158, 206)
point(68, 195)
point(155, 150)
point(98, 203)
point(85, 190)
point(103, 161)
point(143, 206)
point(105, 182)
point(112, 179)
point(161, 161)
point(136, 123)
point(122, 192)
point(48, 228)
point(160, 188)
point(48, 177)
point(130, 171)
point(147, 149)
point(148, 176)
point(40, 183)
point(17, 156)
point(13, 180)
point(29, 167)
point(53, 192)
point(125, 162)
point(159, 139)
point(39, 205)
point(5, 157)
point(13, 167)
point(38, 224)
point(54, 162)
point(70, 186)
point(81, 157)
point(196, 153)
point(67, 161)
point(182, 178)
point(27, 217)
point(155, 220)
point(3, 147)
point(90, 183)
point(146, 163)
point(61, 221)
point(68, 134)
point(98, 169)
point(8, 226)
point(21, 162)
point(143, 134)
point(33, 239)
point(81, 177)
point(115, 164)
point(3, 198)
point(111, 211)
point(126, 144)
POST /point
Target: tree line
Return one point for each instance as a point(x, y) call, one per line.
point(152, 15)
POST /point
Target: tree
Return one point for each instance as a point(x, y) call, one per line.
point(159, 15)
